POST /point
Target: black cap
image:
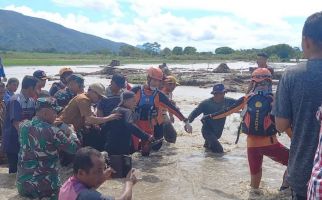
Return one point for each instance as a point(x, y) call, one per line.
point(40, 74)
point(262, 54)
point(119, 80)
point(218, 88)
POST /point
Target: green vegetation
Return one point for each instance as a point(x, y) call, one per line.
point(130, 54)
point(29, 34)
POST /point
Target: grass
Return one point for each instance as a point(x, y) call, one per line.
point(47, 59)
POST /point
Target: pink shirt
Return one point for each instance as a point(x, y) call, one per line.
point(71, 188)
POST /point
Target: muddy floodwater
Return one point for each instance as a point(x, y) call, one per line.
point(185, 170)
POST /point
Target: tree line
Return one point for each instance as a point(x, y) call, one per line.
point(282, 52)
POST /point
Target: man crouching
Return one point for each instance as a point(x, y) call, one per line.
point(37, 175)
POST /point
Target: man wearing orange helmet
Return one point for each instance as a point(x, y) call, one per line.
point(149, 101)
point(258, 124)
point(164, 127)
point(64, 73)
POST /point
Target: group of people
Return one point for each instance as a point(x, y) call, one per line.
point(67, 124)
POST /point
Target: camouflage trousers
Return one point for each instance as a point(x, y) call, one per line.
point(39, 187)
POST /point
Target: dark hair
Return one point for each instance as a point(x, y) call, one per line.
point(83, 159)
point(263, 54)
point(12, 80)
point(29, 81)
point(2, 85)
point(313, 28)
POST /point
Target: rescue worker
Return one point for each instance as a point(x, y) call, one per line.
point(150, 100)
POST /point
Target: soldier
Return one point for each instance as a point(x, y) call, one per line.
point(75, 86)
point(40, 140)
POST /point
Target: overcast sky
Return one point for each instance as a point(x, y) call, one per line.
point(204, 24)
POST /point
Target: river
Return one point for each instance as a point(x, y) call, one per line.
point(183, 170)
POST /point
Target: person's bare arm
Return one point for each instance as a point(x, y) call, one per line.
point(101, 120)
point(282, 124)
point(131, 180)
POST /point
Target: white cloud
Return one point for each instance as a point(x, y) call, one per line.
point(100, 5)
point(248, 24)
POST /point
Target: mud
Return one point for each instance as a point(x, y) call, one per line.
point(235, 81)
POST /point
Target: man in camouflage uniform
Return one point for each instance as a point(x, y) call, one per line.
point(37, 175)
point(75, 85)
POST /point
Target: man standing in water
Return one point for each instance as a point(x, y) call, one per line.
point(298, 97)
point(212, 129)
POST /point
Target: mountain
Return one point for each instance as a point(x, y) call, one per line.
point(23, 33)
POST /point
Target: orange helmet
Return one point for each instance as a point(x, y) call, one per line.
point(64, 69)
point(261, 74)
point(155, 73)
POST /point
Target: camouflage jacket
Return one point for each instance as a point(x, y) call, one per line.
point(37, 174)
point(64, 96)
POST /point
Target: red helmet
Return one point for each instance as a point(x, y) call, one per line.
point(261, 74)
point(155, 73)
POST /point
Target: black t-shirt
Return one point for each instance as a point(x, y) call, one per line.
point(209, 106)
point(118, 133)
point(107, 105)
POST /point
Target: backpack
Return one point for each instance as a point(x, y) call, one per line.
point(146, 109)
point(258, 119)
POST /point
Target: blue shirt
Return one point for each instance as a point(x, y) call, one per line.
point(7, 96)
point(2, 74)
point(18, 109)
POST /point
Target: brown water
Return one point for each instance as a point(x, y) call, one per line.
point(185, 170)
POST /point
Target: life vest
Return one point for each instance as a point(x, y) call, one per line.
point(146, 109)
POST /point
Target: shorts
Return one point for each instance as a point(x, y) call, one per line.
point(276, 152)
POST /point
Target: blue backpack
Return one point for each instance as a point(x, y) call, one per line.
point(258, 120)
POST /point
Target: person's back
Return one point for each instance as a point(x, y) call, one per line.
point(37, 174)
point(298, 100)
point(75, 112)
point(119, 136)
point(298, 97)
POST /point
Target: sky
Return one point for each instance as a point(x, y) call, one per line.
point(204, 24)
